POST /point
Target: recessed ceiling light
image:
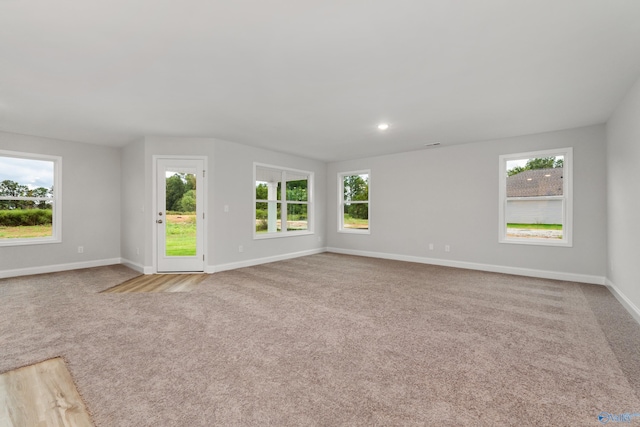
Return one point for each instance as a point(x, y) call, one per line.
point(383, 126)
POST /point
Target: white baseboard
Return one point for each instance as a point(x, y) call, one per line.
point(258, 261)
point(137, 267)
point(626, 302)
point(57, 267)
point(518, 271)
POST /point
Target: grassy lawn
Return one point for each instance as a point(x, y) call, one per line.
point(25, 231)
point(536, 226)
point(181, 235)
point(350, 222)
point(294, 223)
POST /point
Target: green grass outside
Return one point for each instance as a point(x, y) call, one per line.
point(26, 231)
point(262, 225)
point(535, 226)
point(350, 222)
point(181, 238)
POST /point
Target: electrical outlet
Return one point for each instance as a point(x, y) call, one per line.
point(226, 208)
point(447, 248)
point(138, 251)
point(430, 246)
point(80, 249)
point(240, 248)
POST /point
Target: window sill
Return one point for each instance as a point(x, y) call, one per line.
point(537, 242)
point(33, 241)
point(281, 235)
point(355, 231)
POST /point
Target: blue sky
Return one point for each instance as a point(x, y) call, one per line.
point(32, 173)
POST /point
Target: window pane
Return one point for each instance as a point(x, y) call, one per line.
point(268, 190)
point(356, 187)
point(535, 177)
point(541, 219)
point(297, 217)
point(275, 187)
point(25, 223)
point(268, 183)
point(261, 191)
point(181, 234)
point(535, 198)
point(26, 178)
point(356, 216)
point(268, 217)
point(297, 190)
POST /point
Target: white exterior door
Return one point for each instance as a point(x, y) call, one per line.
point(180, 215)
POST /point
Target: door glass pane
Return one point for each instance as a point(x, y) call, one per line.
point(180, 219)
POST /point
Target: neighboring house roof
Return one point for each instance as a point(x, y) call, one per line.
point(535, 182)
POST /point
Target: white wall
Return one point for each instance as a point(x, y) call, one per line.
point(90, 207)
point(230, 182)
point(233, 186)
point(623, 197)
point(132, 233)
point(449, 196)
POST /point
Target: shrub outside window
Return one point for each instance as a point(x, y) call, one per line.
point(30, 194)
point(536, 198)
point(281, 213)
point(353, 202)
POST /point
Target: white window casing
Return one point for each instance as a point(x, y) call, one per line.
point(54, 199)
point(550, 202)
point(362, 203)
point(267, 223)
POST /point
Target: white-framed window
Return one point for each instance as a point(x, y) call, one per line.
point(30, 198)
point(536, 198)
point(354, 197)
point(283, 201)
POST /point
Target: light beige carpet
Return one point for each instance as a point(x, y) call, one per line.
point(331, 340)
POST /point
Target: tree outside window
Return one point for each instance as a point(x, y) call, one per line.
point(281, 213)
point(354, 202)
point(29, 195)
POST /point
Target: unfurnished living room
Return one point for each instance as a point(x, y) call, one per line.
point(247, 213)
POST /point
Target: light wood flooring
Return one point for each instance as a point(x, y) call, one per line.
point(159, 283)
point(41, 395)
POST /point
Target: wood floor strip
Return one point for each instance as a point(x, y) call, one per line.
point(159, 283)
point(41, 395)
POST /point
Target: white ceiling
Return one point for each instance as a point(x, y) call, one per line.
point(313, 78)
